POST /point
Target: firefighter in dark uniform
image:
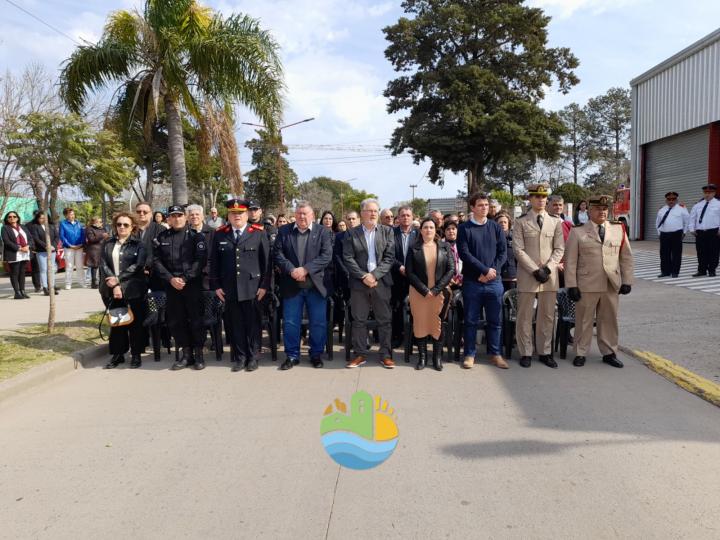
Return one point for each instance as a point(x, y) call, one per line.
point(240, 274)
point(180, 254)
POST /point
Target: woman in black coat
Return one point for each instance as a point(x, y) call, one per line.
point(17, 244)
point(122, 282)
point(37, 230)
point(508, 272)
point(430, 267)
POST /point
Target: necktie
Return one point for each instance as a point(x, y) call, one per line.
point(540, 220)
point(237, 235)
point(702, 214)
point(601, 233)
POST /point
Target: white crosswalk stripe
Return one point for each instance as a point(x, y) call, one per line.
point(647, 266)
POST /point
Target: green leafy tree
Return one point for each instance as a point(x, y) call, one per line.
point(345, 197)
point(183, 58)
point(473, 75)
point(572, 193)
point(577, 144)
point(268, 161)
point(511, 173)
point(609, 117)
point(55, 151)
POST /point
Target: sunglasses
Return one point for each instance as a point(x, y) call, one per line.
point(123, 225)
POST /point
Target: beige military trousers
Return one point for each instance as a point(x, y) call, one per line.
point(602, 306)
point(544, 322)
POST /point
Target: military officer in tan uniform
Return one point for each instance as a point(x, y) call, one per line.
point(538, 246)
point(598, 267)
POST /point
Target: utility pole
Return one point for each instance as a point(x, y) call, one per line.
point(413, 186)
point(278, 159)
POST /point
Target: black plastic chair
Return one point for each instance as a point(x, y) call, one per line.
point(372, 327)
point(212, 321)
point(565, 321)
point(510, 308)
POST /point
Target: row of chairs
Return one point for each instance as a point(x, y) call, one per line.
point(339, 315)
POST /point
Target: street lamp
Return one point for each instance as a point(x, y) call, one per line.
point(413, 186)
point(278, 159)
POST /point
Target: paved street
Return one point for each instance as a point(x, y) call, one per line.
point(570, 453)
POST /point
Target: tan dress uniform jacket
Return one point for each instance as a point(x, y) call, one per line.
point(597, 269)
point(536, 248)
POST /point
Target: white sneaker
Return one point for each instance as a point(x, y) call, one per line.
point(68, 287)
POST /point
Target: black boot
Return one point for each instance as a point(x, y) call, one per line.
point(422, 353)
point(184, 359)
point(437, 355)
point(24, 294)
point(19, 296)
point(46, 292)
point(199, 360)
point(115, 361)
point(135, 362)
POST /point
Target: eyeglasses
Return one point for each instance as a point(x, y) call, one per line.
point(141, 212)
point(123, 225)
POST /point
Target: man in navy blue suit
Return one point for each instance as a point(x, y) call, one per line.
point(301, 252)
point(404, 238)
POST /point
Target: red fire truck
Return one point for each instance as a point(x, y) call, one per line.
point(621, 206)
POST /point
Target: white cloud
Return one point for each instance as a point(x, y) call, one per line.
point(566, 8)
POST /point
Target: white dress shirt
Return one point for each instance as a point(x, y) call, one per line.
point(370, 239)
point(676, 220)
point(711, 219)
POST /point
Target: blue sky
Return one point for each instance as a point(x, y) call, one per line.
point(336, 71)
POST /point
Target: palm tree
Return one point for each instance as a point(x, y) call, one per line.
point(185, 58)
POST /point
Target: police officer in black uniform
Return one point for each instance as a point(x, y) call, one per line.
point(255, 217)
point(180, 254)
point(240, 272)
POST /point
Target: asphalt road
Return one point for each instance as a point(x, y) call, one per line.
point(594, 452)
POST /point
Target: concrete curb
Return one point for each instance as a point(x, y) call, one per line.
point(684, 378)
point(50, 371)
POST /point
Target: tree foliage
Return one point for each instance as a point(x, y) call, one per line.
point(473, 74)
point(345, 198)
point(268, 162)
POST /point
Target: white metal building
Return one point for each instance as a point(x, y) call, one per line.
point(675, 131)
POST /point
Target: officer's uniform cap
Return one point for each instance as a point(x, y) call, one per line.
point(176, 209)
point(600, 200)
point(236, 205)
point(540, 189)
point(710, 187)
point(672, 194)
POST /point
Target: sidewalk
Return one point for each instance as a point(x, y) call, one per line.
point(674, 322)
point(70, 305)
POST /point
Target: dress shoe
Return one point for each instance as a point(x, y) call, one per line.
point(498, 361)
point(37, 289)
point(387, 363)
point(287, 364)
point(579, 361)
point(468, 362)
point(355, 362)
point(19, 296)
point(24, 294)
point(422, 354)
point(676, 275)
point(184, 361)
point(525, 361)
point(135, 361)
point(46, 292)
point(57, 291)
point(698, 274)
point(317, 362)
point(612, 360)
point(115, 361)
point(663, 275)
point(236, 366)
point(199, 359)
point(548, 360)
point(712, 274)
point(251, 365)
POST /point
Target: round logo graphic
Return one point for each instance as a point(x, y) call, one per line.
point(362, 438)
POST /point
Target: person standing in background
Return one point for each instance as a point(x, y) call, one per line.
point(404, 238)
point(17, 244)
point(72, 236)
point(37, 230)
point(95, 235)
point(214, 221)
point(581, 214)
point(704, 224)
point(671, 223)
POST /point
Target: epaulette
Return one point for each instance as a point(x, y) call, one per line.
point(225, 228)
point(615, 222)
point(256, 227)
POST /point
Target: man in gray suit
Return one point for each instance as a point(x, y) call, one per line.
point(369, 254)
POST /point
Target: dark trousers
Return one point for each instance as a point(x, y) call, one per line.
point(184, 314)
point(243, 325)
point(707, 244)
point(131, 337)
point(361, 301)
point(17, 275)
point(671, 252)
point(35, 268)
point(400, 291)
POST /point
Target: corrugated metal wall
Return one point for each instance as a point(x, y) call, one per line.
point(683, 97)
point(679, 164)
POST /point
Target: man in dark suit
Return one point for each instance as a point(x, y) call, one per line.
point(404, 238)
point(240, 276)
point(301, 252)
point(341, 273)
point(369, 254)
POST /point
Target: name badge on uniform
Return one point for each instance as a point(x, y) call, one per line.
point(164, 243)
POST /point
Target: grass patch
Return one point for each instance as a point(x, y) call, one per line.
point(23, 349)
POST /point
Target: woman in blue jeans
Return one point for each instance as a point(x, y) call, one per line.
point(483, 249)
point(37, 227)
